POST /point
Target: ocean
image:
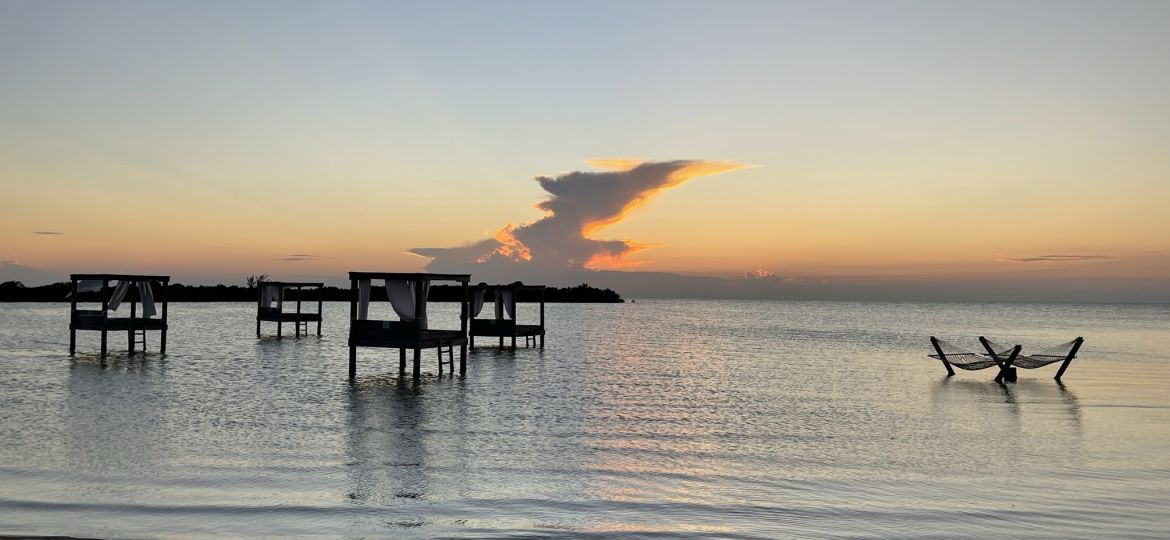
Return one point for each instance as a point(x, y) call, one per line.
point(728, 419)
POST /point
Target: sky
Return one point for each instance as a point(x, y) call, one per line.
point(897, 150)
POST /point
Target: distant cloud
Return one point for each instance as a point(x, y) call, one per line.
point(12, 270)
point(763, 275)
point(299, 257)
point(579, 205)
point(1059, 258)
point(48, 232)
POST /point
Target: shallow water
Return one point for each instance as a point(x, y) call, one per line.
point(664, 418)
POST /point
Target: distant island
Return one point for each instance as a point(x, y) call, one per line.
point(15, 291)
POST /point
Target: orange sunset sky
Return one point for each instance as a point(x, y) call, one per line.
point(997, 143)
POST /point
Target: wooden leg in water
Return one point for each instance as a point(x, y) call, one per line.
point(257, 328)
point(352, 362)
point(72, 340)
point(417, 360)
point(401, 361)
point(1005, 370)
point(501, 342)
point(439, 351)
point(462, 360)
point(941, 356)
point(279, 326)
point(513, 342)
point(471, 341)
point(103, 343)
point(1068, 359)
point(162, 341)
point(541, 340)
point(318, 328)
point(130, 342)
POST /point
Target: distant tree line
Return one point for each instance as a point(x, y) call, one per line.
point(15, 291)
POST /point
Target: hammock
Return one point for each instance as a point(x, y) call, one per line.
point(960, 357)
point(1065, 352)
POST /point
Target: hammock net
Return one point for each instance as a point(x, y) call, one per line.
point(1047, 356)
point(962, 358)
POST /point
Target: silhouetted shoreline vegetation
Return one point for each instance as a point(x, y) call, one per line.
point(15, 291)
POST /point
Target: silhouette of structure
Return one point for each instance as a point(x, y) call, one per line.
point(956, 357)
point(504, 321)
point(127, 287)
point(408, 294)
point(1064, 353)
point(270, 305)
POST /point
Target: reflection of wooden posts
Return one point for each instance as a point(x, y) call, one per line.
point(73, 320)
point(942, 356)
point(130, 327)
point(1071, 354)
point(353, 305)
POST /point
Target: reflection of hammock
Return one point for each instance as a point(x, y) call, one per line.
point(1064, 352)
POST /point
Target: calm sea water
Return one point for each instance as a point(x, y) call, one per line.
point(667, 418)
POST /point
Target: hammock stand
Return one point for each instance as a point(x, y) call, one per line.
point(1063, 353)
point(970, 361)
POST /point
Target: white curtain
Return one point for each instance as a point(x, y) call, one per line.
point(118, 294)
point(403, 296)
point(363, 299)
point(476, 302)
point(147, 296)
point(509, 303)
point(270, 294)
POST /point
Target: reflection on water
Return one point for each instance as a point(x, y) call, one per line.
point(687, 418)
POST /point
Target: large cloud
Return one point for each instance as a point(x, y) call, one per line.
point(579, 205)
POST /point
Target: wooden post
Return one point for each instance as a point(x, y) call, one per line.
point(542, 318)
point(353, 298)
point(259, 305)
point(1071, 354)
point(942, 356)
point(163, 339)
point(515, 316)
point(280, 310)
point(401, 361)
point(417, 358)
point(1007, 365)
point(464, 312)
point(73, 319)
point(105, 305)
point(439, 350)
point(130, 333)
point(319, 314)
